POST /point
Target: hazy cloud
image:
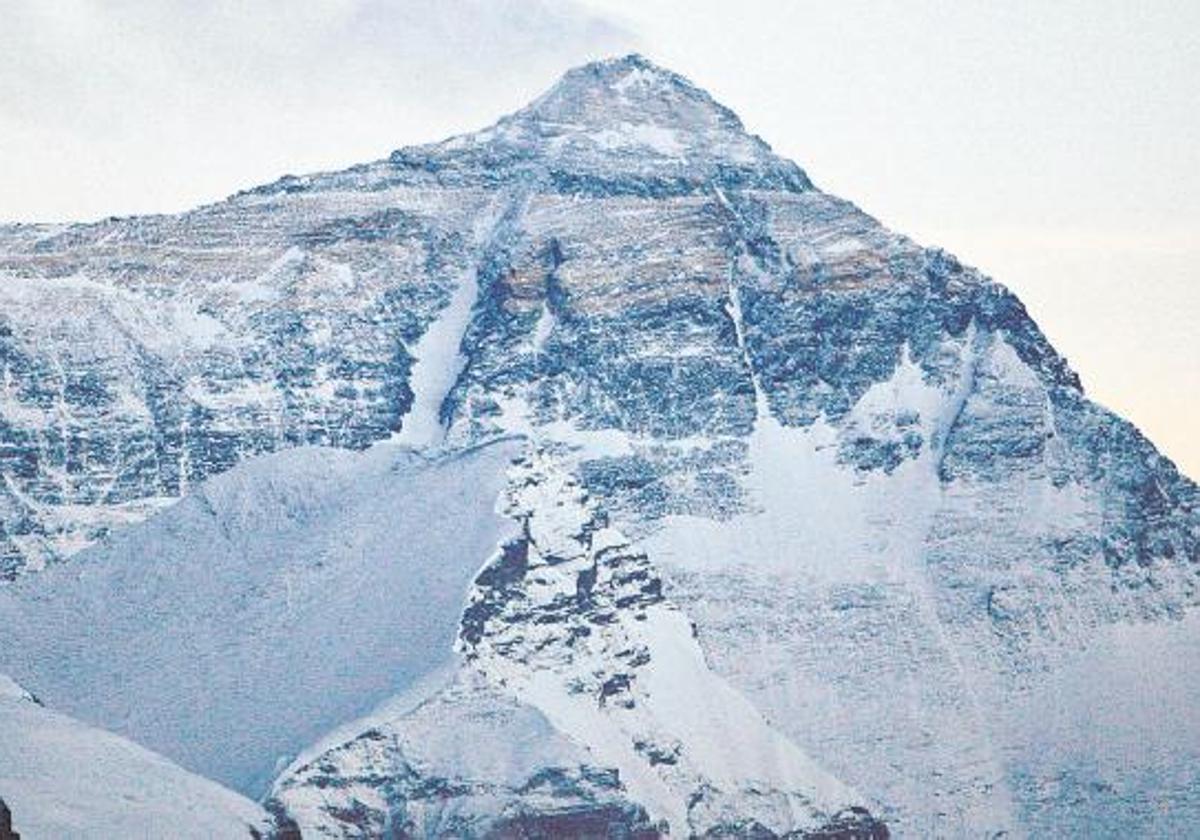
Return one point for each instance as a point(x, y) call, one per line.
point(121, 107)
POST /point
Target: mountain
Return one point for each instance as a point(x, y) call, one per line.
point(782, 524)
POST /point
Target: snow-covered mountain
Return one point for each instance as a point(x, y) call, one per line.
point(693, 499)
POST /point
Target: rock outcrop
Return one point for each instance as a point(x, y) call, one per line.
point(6, 825)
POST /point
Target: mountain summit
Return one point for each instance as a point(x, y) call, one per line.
point(618, 126)
point(630, 90)
point(631, 114)
point(798, 528)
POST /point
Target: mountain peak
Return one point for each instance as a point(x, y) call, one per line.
point(617, 66)
point(634, 88)
point(629, 75)
point(623, 122)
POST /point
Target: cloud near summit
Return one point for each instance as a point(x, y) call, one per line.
point(158, 106)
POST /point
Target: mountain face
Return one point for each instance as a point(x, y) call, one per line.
point(769, 521)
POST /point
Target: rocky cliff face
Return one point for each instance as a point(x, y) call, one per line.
point(778, 456)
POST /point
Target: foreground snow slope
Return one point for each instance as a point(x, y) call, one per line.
point(290, 595)
point(62, 778)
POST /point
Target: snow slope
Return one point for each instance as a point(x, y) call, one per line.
point(277, 601)
point(967, 690)
point(62, 778)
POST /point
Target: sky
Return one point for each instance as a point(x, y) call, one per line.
point(1052, 145)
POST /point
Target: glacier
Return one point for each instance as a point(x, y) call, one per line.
point(593, 472)
point(281, 599)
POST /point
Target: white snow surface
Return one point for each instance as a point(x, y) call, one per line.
point(64, 779)
point(438, 364)
point(1121, 717)
point(543, 329)
point(285, 597)
point(658, 139)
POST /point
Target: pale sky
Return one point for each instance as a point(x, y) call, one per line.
point(1053, 145)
